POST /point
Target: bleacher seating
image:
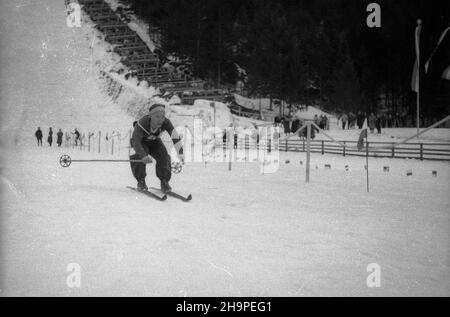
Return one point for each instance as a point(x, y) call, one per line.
point(140, 60)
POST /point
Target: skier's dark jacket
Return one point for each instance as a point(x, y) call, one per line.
point(38, 134)
point(142, 135)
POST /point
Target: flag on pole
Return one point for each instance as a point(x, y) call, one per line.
point(365, 124)
point(362, 136)
point(441, 38)
point(415, 75)
point(446, 73)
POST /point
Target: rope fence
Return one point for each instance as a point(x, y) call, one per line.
point(402, 149)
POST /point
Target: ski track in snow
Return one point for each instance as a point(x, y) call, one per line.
point(314, 239)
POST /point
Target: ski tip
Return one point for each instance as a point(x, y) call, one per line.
point(163, 198)
point(189, 197)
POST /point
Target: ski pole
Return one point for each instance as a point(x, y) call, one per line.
point(66, 160)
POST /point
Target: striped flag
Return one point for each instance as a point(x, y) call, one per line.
point(362, 136)
point(441, 38)
point(446, 73)
point(415, 75)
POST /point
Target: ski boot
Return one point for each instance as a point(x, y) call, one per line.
point(141, 186)
point(165, 187)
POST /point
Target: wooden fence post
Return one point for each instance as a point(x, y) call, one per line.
point(323, 148)
point(99, 140)
point(308, 152)
point(112, 145)
point(120, 142)
point(393, 150)
point(421, 151)
point(343, 149)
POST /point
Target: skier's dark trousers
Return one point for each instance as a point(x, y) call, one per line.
point(147, 144)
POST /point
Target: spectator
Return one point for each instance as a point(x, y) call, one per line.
point(59, 137)
point(224, 138)
point(378, 123)
point(397, 120)
point(39, 136)
point(316, 120)
point(344, 119)
point(287, 124)
point(351, 120)
point(77, 137)
point(323, 122)
point(360, 120)
point(295, 125)
point(50, 137)
point(371, 122)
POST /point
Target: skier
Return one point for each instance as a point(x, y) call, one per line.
point(59, 136)
point(77, 136)
point(50, 137)
point(147, 143)
point(39, 135)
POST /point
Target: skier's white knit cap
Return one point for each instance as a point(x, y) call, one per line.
point(156, 108)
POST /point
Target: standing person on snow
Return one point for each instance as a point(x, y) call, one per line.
point(77, 136)
point(59, 137)
point(371, 122)
point(50, 137)
point(38, 135)
point(359, 120)
point(344, 119)
point(147, 143)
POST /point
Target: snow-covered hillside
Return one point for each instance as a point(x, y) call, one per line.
point(48, 75)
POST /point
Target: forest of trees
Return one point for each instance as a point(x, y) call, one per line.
point(310, 51)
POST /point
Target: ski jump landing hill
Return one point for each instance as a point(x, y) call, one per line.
point(72, 77)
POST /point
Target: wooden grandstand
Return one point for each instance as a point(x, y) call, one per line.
point(137, 56)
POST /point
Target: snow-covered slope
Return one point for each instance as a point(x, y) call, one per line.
point(48, 76)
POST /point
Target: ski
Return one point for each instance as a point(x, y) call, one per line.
point(175, 195)
point(150, 194)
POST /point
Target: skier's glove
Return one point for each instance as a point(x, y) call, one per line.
point(147, 160)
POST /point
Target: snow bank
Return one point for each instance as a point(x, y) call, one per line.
point(264, 105)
